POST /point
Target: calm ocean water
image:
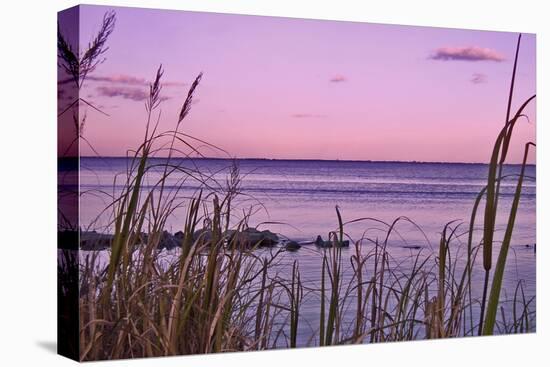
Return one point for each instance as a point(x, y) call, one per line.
point(303, 194)
point(297, 200)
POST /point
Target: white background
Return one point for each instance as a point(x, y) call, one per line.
point(28, 181)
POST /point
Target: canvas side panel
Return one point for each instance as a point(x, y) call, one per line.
point(68, 183)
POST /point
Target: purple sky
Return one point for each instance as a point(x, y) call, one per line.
point(294, 88)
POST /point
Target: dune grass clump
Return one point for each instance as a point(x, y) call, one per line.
point(198, 303)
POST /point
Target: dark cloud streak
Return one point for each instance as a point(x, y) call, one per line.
point(338, 79)
point(478, 78)
point(306, 115)
point(122, 79)
point(131, 93)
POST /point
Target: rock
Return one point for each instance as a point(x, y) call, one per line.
point(203, 235)
point(319, 241)
point(168, 241)
point(412, 247)
point(292, 246)
point(229, 234)
point(327, 244)
point(251, 237)
point(344, 243)
point(179, 235)
point(270, 237)
point(93, 241)
point(143, 238)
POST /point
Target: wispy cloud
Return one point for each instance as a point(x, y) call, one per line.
point(338, 79)
point(131, 80)
point(478, 78)
point(306, 115)
point(131, 93)
point(470, 53)
point(119, 79)
point(123, 79)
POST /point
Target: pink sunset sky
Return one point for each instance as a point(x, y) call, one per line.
point(309, 89)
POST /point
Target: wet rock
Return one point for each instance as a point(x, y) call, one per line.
point(143, 238)
point(344, 243)
point(179, 235)
point(269, 237)
point(319, 242)
point(251, 237)
point(292, 246)
point(203, 236)
point(168, 241)
point(412, 247)
point(229, 234)
point(94, 241)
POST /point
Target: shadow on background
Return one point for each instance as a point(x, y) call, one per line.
point(48, 345)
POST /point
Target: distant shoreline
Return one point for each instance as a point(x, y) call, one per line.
point(304, 160)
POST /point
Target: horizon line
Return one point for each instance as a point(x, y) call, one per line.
point(303, 160)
